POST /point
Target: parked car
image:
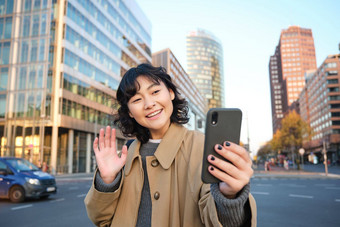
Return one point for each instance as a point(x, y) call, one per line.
point(20, 179)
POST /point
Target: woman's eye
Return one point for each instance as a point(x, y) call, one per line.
point(155, 92)
point(136, 100)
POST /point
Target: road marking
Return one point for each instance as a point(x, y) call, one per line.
point(81, 195)
point(263, 185)
point(325, 185)
point(73, 188)
point(294, 185)
point(297, 186)
point(21, 207)
point(336, 188)
point(337, 200)
point(260, 193)
point(57, 200)
point(301, 196)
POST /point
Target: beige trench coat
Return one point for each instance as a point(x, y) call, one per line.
point(179, 198)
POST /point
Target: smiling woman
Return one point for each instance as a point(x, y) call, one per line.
point(161, 170)
point(144, 90)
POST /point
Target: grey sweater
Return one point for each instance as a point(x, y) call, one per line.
point(231, 212)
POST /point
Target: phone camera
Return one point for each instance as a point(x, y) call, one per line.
point(214, 118)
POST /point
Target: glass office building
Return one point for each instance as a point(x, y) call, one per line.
point(205, 66)
point(61, 62)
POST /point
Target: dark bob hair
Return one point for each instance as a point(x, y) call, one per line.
point(129, 86)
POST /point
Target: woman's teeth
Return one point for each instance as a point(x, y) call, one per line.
point(154, 113)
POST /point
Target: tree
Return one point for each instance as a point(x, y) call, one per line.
point(264, 151)
point(293, 131)
point(276, 143)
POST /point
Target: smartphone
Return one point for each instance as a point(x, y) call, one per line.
point(222, 124)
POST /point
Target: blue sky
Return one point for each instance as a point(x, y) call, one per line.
point(249, 32)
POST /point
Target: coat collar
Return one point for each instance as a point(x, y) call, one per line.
point(166, 151)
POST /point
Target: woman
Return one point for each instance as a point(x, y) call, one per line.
point(158, 182)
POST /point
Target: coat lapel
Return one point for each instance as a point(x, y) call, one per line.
point(168, 148)
point(166, 151)
point(133, 153)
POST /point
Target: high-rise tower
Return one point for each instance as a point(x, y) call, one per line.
point(297, 56)
point(205, 66)
point(293, 57)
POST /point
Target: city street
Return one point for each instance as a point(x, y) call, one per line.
point(292, 200)
point(297, 201)
point(66, 208)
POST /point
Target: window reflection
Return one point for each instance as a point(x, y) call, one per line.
point(81, 88)
point(89, 70)
point(85, 113)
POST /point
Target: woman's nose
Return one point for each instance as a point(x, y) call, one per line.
point(149, 103)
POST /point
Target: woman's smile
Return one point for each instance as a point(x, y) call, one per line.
point(154, 115)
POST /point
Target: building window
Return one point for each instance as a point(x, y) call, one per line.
point(2, 106)
point(8, 28)
point(3, 79)
point(4, 53)
point(332, 81)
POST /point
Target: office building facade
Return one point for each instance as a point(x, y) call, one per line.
point(62, 62)
point(294, 56)
point(196, 101)
point(297, 56)
point(277, 90)
point(205, 66)
point(320, 107)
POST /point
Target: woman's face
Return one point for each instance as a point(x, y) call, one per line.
point(152, 106)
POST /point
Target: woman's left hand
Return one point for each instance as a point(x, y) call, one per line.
point(234, 174)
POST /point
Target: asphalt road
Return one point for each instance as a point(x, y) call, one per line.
point(66, 208)
point(297, 202)
point(280, 202)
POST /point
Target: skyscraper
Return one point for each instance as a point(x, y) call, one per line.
point(295, 54)
point(278, 94)
point(205, 66)
point(61, 62)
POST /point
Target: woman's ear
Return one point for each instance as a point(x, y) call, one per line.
point(130, 114)
point(172, 94)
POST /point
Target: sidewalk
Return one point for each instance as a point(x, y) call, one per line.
point(74, 176)
point(308, 171)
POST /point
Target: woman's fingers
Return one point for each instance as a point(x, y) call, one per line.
point(234, 169)
point(95, 145)
point(108, 137)
point(225, 166)
point(101, 140)
point(237, 150)
point(113, 139)
point(222, 176)
point(229, 155)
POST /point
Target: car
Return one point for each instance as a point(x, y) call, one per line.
point(20, 179)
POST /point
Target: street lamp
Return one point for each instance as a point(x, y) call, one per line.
point(301, 152)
